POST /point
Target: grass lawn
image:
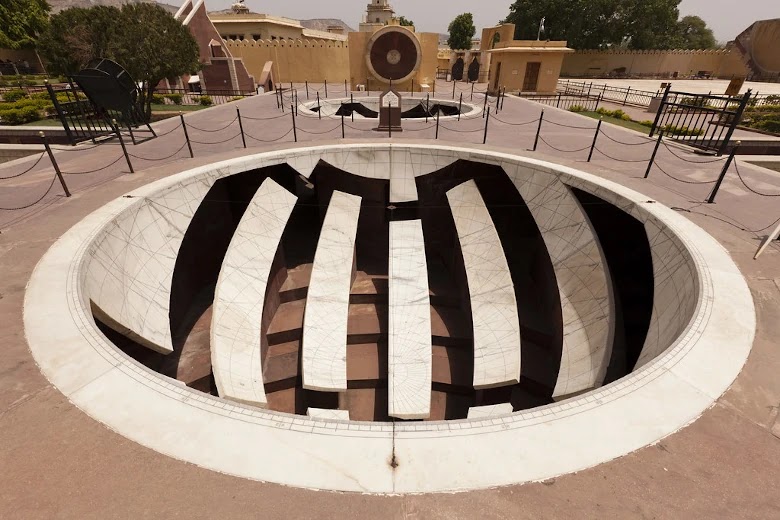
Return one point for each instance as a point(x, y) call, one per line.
point(155, 108)
point(177, 108)
point(44, 122)
point(631, 125)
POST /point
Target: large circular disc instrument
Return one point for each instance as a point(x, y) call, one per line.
point(394, 54)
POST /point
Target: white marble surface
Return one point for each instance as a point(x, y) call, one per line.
point(662, 397)
point(327, 304)
point(129, 277)
point(490, 411)
point(321, 413)
point(675, 292)
point(239, 298)
point(493, 303)
point(400, 165)
point(584, 284)
point(410, 362)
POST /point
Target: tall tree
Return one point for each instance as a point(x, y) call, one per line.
point(21, 22)
point(404, 22)
point(153, 45)
point(76, 36)
point(144, 38)
point(597, 24)
point(462, 30)
point(649, 24)
point(693, 33)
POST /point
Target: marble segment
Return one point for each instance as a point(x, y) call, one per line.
point(662, 397)
point(240, 295)
point(486, 412)
point(132, 263)
point(493, 303)
point(675, 292)
point(335, 415)
point(399, 165)
point(327, 305)
point(410, 362)
point(581, 274)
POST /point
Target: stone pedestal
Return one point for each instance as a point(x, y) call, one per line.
point(390, 112)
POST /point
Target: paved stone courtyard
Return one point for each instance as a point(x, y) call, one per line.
point(57, 462)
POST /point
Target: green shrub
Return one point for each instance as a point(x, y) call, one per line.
point(647, 123)
point(771, 125)
point(14, 95)
point(616, 114)
point(158, 99)
point(174, 98)
point(19, 116)
point(577, 108)
point(206, 101)
point(681, 130)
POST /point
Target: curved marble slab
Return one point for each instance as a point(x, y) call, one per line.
point(240, 295)
point(327, 304)
point(674, 295)
point(399, 165)
point(334, 415)
point(132, 262)
point(488, 412)
point(581, 273)
point(410, 350)
point(493, 304)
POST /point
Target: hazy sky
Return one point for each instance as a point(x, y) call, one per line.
point(727, 18)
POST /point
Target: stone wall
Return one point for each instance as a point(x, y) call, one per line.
point(294, 60)
point(723, 63)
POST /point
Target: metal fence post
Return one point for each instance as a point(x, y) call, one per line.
point(627, 93)
point(389, 122)
point(122, 143)
point(54, 163)
point(307, 90)
point(660, 110)
point(438, 114)
point(319, 107)
point(352, 106)
point(655, 152)
point(460, 106)
point(342, 120)
point(595, 138)
point(487, 120)
point(723, 172)
point(427, 107)
point(346, 90)
point(453, 89)
point(281, 98)
point(241, 126)
point(295, 129)
point(558, 103)
point(326, 89)
point(737, 119)
point(539, 130)
point(186, 134)
point(276, 95)
point(484, 107)
point(503, 99)
point(472, 92)
point(598, 101)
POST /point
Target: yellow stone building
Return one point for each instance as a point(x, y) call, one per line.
point(523, 65)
